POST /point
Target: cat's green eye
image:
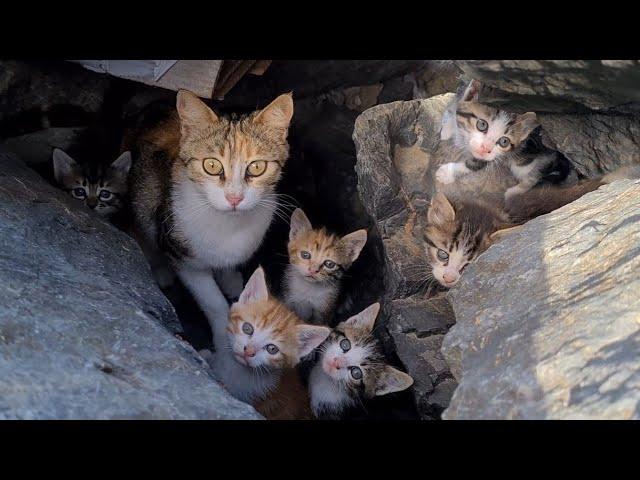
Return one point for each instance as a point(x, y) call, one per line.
point(257, 168)
point(272, 349)
point(356, 373)
point(345, 345)
point(482, 125)
point(306, 255)
point(247, 328)
point(504, 142)
point(79, 192)
point(212, 166)
point(329, 264)
point(442, 255)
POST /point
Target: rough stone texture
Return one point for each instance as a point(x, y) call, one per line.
point(84, 331)
point(397, 148)
point(548, 322)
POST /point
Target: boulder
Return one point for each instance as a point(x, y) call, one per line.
point(84, 331)
point(397, 145)
point(548, 320)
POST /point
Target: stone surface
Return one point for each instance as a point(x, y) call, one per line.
point(548, 321)
point(84, 331)
point(397, 146)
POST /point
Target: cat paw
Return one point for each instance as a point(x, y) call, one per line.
point(446, 173)
point(513, 192)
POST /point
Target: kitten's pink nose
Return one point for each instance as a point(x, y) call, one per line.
point(337, 363)
point(234, 199)
point(249, 351)
point(450, 277)
point(484, 149)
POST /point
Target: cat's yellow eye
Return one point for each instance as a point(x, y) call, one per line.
point(212, 166)
point(257, 168)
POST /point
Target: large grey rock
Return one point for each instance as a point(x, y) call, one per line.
point(548, 320)
point(84, 331)
point(397, 146)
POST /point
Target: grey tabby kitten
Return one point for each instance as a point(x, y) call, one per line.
point(99, 185)
point(352, 368)
point(486, 134)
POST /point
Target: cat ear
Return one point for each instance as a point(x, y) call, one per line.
point(392, 380)
point(299, 223)
point(525, 124)
point(472, 92)
point(278, 113)
point(365, 319)
point(194, 113)
point(310, 337)
point(62, 164)
point(123, 163)
point(256, 288)
point(440, 211)
point(353, 244)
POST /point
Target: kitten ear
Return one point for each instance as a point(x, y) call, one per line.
point(62, 164)
point(365, 319)
point(392, 380)
point(525, 124)
point(440, 211)
point(123, 163)
point(194, 113)
point(256, 288)
point(353, 244)
point(278, 113)
point(472, 92)
point(310, 337)
point(299, 223)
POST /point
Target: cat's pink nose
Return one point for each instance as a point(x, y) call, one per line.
point(337, 363)
point(249, 351)
point(449, 277)
point(233, 199)
point(485, 149)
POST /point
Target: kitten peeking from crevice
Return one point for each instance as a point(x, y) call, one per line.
point(101, 187)
point(317, 262)
point(487, 134)
point(351, 368)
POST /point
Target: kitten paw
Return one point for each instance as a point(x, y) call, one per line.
point(513, 192)
point(446, 173)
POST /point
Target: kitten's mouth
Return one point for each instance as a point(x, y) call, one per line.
point(241, 360)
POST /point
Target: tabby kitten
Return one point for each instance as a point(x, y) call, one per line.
point(264, 341)
point(487, 134)
point(457, 231)
point(317, 262)
point(101, 187)
point(351, 368)
point(203, 191)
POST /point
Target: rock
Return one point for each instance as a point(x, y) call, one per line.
point(84, 331)
point(396, 145)
point(548, 320)
point(559, 85)
point(37, 147)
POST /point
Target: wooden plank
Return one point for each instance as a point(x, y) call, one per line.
point(260, 67)
point(238, 72)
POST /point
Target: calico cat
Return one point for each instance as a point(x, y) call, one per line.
point(93, 173)
point(202, 191)
point(351, 368)
point(317, 262)
point(264, 341)
point(487, 134)
point(457, 231)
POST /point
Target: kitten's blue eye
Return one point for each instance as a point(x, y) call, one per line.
point(305, 255)
point(504, 142)
point(79, 192)
point(272, 349)
point(481, 125)
point(247, 328)
point(442, 255)
point(356, 373)
point(105, 195)
point(345, 345)
point(329, 264)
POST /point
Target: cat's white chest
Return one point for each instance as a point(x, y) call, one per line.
point(325, 393)
point(218, 239)
point(307, 298)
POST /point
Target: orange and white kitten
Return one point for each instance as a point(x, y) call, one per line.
point(317, 262)
point(352, 368)
point(264, 341)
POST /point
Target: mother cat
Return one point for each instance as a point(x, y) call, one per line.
point(202, 191)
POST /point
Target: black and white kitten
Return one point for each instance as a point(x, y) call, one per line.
point(486, 134)
point(352, 368)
